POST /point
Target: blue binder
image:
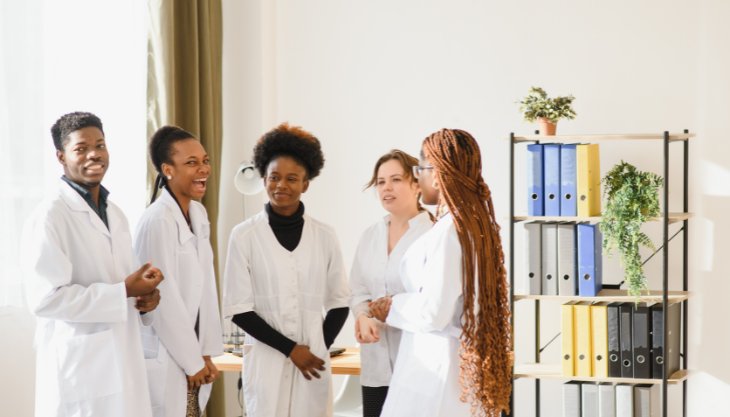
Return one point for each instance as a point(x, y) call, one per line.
point(552, 180)
point(568, 190)
point(590, 260)
point(535, 183)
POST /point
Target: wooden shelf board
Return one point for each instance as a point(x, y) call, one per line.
point(591, 138)
point(553, 371)
point(615, 296)
point(673, 218)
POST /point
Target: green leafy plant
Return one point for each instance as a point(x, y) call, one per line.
point(537, 104)
point(632, 197)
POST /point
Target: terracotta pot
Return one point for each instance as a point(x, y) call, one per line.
point(546, 128)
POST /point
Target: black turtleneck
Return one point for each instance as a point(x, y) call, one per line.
point(288, 231)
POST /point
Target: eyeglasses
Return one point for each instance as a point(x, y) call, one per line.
point(417, 170)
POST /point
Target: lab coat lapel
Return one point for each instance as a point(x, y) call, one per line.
point(183, 231)
point(201, 227)
point(77, 203)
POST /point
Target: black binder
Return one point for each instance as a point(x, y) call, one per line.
point(627, 354)
point(614, 349)
point(665, 352)
point(642, 341)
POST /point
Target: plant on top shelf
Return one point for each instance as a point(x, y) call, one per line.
point(546, 111)
point(632, 198)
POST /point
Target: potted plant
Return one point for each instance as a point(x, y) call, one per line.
point(546, 111)
point(632, 197)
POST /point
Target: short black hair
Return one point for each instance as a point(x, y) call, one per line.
point(69, 123)
point(160, 147)
point(293, 142)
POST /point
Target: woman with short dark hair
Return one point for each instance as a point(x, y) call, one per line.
point(283, 270)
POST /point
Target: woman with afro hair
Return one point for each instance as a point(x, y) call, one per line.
point(283, 270)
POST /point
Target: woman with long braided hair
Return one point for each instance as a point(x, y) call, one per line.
point(455, 356)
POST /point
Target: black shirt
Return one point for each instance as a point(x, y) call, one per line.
point(287, 229)
point(89, 197)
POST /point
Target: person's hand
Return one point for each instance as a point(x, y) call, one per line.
point(143, 281)
point(213, 372)
point(366, 330)
point(198, 379)
point(380, 308)
point(306, 361)
point(149, 302)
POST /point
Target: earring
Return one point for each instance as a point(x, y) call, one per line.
point(169, 177)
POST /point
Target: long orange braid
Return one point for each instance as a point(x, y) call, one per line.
point(486, 342)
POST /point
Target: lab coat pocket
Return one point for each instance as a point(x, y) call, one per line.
point(89, 367)
point(156, 378)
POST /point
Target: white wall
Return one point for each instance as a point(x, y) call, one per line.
point(366, 77)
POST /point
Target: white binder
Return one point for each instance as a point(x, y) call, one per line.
point(533, 259)
point(567, 258)
point(606, 400)
point(549, 259)
point(642, 401)
point(625, 400)
point(589, 399)
point(571, 399)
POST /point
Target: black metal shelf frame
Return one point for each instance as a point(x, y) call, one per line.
point(665, 256)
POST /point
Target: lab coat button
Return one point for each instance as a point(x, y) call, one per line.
point(293, 296)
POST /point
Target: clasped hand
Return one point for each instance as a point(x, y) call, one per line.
point(306, 361)
point(142, 285)
point(207, 375)
point(380, 308)
point(366, 330)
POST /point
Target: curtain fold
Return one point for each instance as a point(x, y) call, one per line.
point(184, 89)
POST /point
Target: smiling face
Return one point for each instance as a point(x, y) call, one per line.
point(84, 157)
point(190, 169)
point(285, 182)
point(427, 180)
point(398, 193)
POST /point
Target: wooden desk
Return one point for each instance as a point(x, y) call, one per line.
point(347, 363)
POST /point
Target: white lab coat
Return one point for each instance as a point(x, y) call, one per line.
point(186, 260)
point(89, 358)
point(375, 274)
point(290, 291)
point(426, 376)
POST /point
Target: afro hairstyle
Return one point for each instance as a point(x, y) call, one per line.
point(293, 142)
point(69, 123)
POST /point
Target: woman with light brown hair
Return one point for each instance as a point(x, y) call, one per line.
point(375, 270)
point(455, 355)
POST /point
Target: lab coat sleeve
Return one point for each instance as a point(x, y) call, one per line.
point(48, 275)
point(433, 308)
point(211, 340)
point(359, 292)
point(156, 241)
point(146, 320)
point(337, 291)
point(238, 295)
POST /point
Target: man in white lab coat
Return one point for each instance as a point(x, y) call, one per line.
point(85, 286)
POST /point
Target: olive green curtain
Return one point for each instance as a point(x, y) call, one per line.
point(184, 89)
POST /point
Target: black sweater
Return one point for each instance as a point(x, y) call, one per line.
point(288, 231)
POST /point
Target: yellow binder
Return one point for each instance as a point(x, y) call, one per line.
point(599, 323)
point(583, 339)
point(568, 338)
point(588, 180)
